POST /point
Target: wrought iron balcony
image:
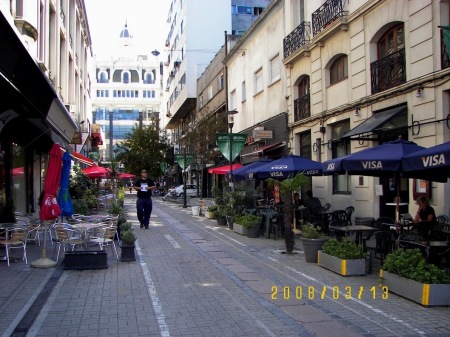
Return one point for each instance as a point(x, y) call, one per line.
point(326, 14)
point(388, 72)
point(297, 38)
point(302, 108)
point(445, 59)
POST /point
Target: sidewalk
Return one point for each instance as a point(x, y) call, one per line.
point(193, 278)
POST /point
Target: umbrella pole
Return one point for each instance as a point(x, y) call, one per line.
point(43, 262)
point(397, 205)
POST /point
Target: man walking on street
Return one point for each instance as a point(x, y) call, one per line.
point(144, 205)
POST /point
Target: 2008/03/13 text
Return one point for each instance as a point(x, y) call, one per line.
point(311, 293)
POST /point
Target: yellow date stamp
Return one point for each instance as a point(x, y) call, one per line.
point(335, 292)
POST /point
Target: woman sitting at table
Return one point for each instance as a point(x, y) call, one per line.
point(425, 217)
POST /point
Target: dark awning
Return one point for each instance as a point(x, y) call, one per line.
point(25, 88)
point(376, 122)
point(264, 149)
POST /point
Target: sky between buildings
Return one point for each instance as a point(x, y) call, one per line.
point(146, 21)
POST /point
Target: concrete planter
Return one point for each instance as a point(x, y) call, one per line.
point(340, 266)
point(128, 253)
point(424, 294)
point(85, 260)
point(195, 210)
point(208, 214)
point(311, 248)
point(240, 229)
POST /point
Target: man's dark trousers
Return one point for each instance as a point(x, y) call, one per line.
point(144, 210)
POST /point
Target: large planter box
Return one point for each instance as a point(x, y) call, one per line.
point(85, 260)
point(127, 253)
point(208, 214)
point(340, 266)
point(240, 229)
point(425, 294)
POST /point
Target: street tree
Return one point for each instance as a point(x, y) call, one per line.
point(144, 148)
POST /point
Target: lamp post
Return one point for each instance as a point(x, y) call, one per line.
point(230, 125)
point(184, 180)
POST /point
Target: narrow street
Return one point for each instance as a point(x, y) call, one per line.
point(193, 278)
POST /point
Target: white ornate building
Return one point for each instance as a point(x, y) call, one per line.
point(126, 94)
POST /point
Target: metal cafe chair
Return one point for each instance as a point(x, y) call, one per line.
point(15, 238)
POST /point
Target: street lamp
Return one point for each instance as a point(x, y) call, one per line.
point(184, 179)
point(230, 125)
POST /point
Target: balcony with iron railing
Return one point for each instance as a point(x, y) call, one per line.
point(298, 38)
point(302, 108)
point(326, 14)
point(445, 59)
point(388, 72)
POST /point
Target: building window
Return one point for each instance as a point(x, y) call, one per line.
point(244, 92)
point(201, 103)
point(275, 69)
point(220, 82)
point(126, 77)
point(259, 81)
point(149, 78)
point(339, 70)
point(103, 77)
point(232, 103)
point(210, 92)
point(340, 148)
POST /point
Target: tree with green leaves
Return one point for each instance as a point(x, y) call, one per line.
point(287, 188)
point(143, 148)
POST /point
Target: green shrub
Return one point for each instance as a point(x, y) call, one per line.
point(344, 249)
point(80, 206)
point(411, 264)
point(248, 220)
point(128, 237)
point(311, 232)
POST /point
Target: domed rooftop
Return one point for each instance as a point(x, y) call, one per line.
point(125, 33)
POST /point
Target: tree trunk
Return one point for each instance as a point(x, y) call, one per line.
point(288, 211)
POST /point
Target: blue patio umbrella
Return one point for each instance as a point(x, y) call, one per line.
point(384, 160)
point(429, 164)
point(64, 199)
point(242, 173)
point(286, 167)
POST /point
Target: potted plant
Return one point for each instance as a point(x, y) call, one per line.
point(209, 213)
point(287, 188)
point(407, 274)
point(248, 224)
point(343, 257)
point(220, 216)
point(127, 246)
point(312, 241)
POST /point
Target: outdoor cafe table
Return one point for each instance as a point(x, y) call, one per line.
point(431, 248)
point(268, 214)
point(358, 229)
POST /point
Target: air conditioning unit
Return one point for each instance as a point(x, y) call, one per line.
point(71, 108)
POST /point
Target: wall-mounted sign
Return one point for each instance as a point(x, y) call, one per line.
point(265, 134)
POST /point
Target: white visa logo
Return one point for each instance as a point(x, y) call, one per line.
point(330, 167)
point(372, 164)
point(431, 161)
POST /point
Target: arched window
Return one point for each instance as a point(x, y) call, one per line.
point(149, 78)
point(389, 70)
point(391, 42)
point(126, 77)
point(339, 70)
point(303, 87)
point(103, 77)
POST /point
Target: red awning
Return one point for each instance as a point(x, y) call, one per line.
point(223, 169)
point(82, 159)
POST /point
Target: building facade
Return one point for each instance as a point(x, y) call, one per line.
point(360, 74)
point(45, 85)
point(126, 95)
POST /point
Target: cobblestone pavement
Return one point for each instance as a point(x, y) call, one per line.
point(194, 278)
